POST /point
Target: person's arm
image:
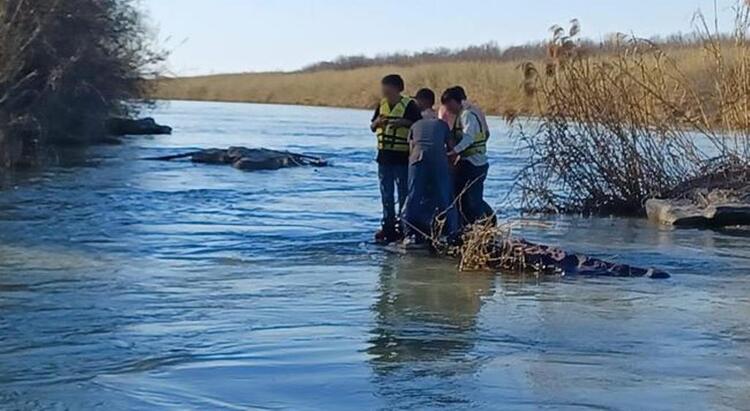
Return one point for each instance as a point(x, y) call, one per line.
point(411, 116)
point(377, 121)
point(471, 128)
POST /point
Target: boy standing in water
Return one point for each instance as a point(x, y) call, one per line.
point(391, 122)
point(430, 182)
point(469, 153)
point(426, 102)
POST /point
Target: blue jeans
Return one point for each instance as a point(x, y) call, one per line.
point(471, 178)
point(392, 177)
point(430, 193)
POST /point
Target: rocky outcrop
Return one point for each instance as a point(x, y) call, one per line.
point(713, 200)
point(249, 159)
point(136, 127)
point(686, 213)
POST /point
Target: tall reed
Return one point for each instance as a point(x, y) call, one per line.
point(614, 132)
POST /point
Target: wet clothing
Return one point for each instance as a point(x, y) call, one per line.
point(393, 159)
point(395, 153)
point(393, 177)
point(470, 136)
point(470, 186)
point(430, 183)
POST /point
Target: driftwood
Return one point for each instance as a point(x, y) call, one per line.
point(248, 159)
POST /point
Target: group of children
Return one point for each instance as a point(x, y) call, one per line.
point(433, 163)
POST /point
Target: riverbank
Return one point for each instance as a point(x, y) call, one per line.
point(495, 86)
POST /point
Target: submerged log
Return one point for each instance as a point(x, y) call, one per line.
point(249, 159)
point(135, 127)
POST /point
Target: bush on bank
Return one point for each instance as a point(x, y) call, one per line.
point(615, 132)
point(65, 67)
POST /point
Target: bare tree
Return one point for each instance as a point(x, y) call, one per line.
point(65, 66)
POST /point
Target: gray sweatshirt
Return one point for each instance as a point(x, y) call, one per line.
point(428, 140)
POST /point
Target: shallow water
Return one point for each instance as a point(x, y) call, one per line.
point(128, 284)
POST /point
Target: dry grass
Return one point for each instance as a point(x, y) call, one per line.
point(495, 86)
point(617, 131)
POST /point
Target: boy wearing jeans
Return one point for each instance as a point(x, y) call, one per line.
point(391, 123)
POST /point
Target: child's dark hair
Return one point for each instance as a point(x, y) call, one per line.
point(393, 80)
point(427, 95)
point(454, 93)
point(462, 91)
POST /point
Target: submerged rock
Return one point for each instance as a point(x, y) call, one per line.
point(136, 127)
point(210, 156)
point(686, 213)
point(720, 198)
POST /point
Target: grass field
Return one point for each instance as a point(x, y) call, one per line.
point(495, 86)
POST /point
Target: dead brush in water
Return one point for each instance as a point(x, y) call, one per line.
point(486, 245)
point(616, 131)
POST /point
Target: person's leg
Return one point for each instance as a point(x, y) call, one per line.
point(443, 194)
point(413, 215)
point(473, 200)
point(461, 181)
point(387, 181)
point(402, 184)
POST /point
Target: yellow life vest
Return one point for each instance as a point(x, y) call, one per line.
point(480, 138)
point(390, 137)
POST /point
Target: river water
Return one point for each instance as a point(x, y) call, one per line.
point(136, 285)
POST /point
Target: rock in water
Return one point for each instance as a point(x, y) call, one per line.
point(261, 161)
point(135, 127)
point(687, 213)
point(719, 197)
point(249, 159)
point(211, 156)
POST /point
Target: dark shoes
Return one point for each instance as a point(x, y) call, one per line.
point(387, 236)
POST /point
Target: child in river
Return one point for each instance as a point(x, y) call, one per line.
point(430, 182)
point(391, 122)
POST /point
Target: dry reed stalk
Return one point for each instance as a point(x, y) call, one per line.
point(614, 132)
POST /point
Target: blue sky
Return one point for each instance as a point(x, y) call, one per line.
point(218, 36)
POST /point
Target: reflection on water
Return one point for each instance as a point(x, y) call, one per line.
point(426, 317)
point(137, 285)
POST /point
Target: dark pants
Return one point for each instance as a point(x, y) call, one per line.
point(430, 194)
point(470, 181)
point(392, 176)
